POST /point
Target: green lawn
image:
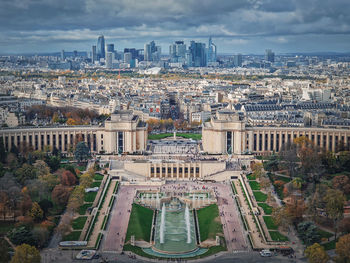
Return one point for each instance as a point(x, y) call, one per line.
point(254, 185)
point(277, 236)
point(6, 227)
point(96, 184)
point(267, 209)
point(269, 223)
point(98, 177)
point(79, 222)
point(209, 222)
point(194, 136)
point(73, 236)
point(82, 209)
point(330, 245)
point(251, 177)
point(90, 197)
point(140, 223)
point(260, 196)
point(324, 234)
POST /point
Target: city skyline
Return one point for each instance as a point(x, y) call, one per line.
point(240, 27)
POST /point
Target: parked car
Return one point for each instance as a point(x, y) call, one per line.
point(265, 253)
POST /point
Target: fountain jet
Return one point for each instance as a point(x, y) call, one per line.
point(162, 225)
point(188, 224)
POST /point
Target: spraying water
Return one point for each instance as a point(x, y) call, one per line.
point(162, 225)
point(188, 224)
point(158, 201)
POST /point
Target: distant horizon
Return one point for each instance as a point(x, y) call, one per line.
point(244, 26)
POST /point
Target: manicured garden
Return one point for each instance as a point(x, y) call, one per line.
point(269, 223)
point(140, 223)
point(83, 208)
point(260, 196)
point(79, 222)
point(209, 222)
point(277, 236)
point(267, 209)
point(72, 236)
point(98, 177)
point(254, 185)
point(90, 197)
point(194, 136)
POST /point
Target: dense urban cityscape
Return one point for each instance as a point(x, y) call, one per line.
point(177, 135)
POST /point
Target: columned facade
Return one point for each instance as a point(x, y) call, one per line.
point(122, 133)
point(262, 140)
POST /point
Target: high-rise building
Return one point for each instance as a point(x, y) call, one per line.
point(128, 59)
point(132, 51)
point(152, 52)
point(94, 54)
point(62, 55)
point(269, 55)
point(211, 57)
point(197, 55)
point(237, 60)
point(101, 47)
point(75, 53)
point(110, 47)
point(177, 51)
point(109, 60)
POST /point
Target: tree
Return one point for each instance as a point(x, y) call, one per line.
point(53, 162)
point(41, 168)
point(316, 254)
point(26, 172)
point(36, 212)
point(2, 151)
point(4, 251)
point(289, 158)
point(40, 235)
point(280, 217)
point(342, 249)
point(20, 235)
point(67, 178)
point(257, 169)
point(342, 183)
point(50, 180)
point(334, 207)
point(76, 198)
point(308, 232)
point(45, 205)
point(344, 225)
point(26, 254)
point(60, 194)
point(82, 152)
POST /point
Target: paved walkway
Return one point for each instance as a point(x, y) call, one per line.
point(119, 218)
point(103, 212)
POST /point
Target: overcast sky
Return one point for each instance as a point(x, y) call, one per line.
point(237, 26)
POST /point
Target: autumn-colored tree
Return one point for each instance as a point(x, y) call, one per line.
point(4, 201)
point(26, 172)
point(257, 169)
point(280, 217)
point(67, 178)
point(334, 200)
point(55, 117)
point(60, 194)
point(264, 183)
point(41, 168)
point(344, 225)
point(342, 183)
point(316, 254)
point(342, 249)
point(76, 198)
point(26, 254)
point(295, 208)
point(36, 212)
point(50, 180)
point(71, 121)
